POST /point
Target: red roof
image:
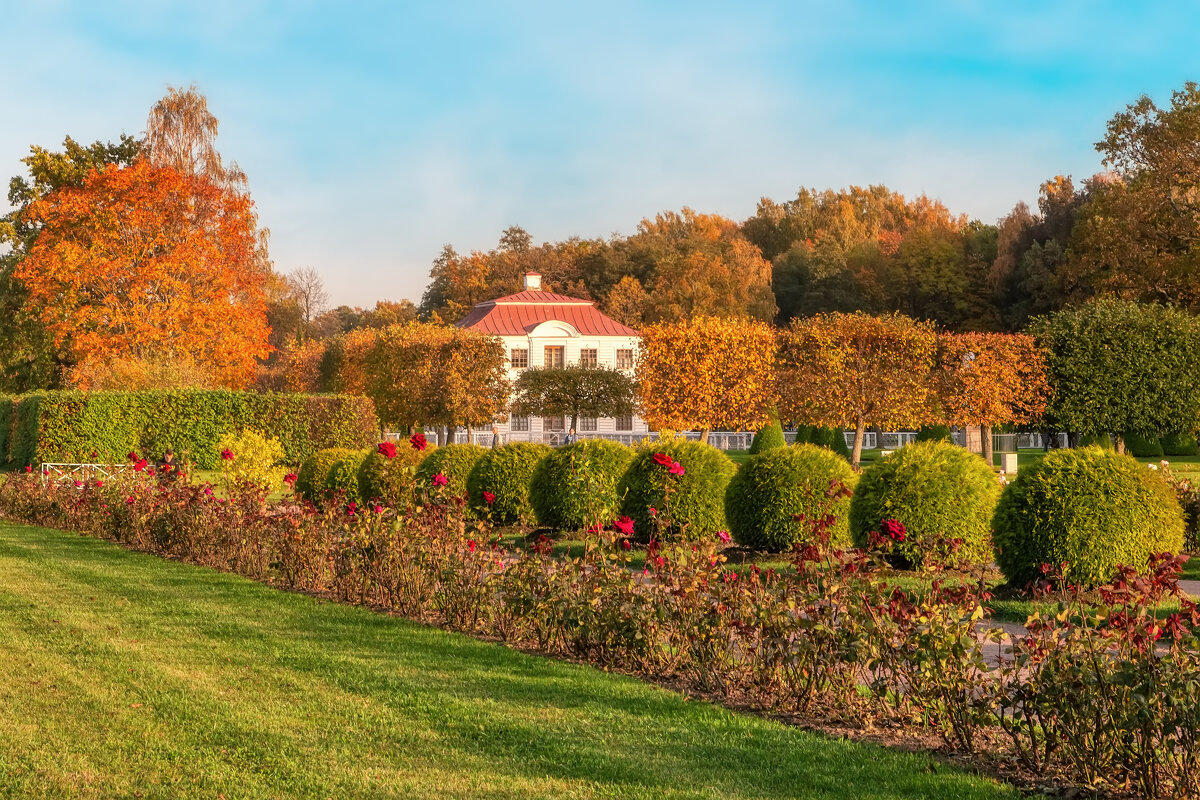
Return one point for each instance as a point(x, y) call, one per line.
point(518, 314)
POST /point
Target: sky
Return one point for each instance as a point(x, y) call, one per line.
point(373, 134)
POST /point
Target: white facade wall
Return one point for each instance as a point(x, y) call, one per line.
point(560, 334)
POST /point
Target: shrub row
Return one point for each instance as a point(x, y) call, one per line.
point(104, 426)
point(931, 504)
point(1105, 695)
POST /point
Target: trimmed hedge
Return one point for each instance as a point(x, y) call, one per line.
point(768, 437)
point(390, 480)
point(343, 476)
point(310, 481)
point(1141, 447)
point(697, 498)
point(506, 472)
point(940, 492)
point(1179, 444)
point(934, 433)
point(1090, 508)
point(773, 488)
point(70, 426)
point(1102, 440)
point(576, 486)
point(455, 461)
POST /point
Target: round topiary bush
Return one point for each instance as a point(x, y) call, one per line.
point(575, 486)
point(504, 474)
point(769, 437)
point(310, 481)
point(343, 477)
point(830, 438)
point(1103, 440)
point(773, 488)
point(943, 494)
point(390, 479)
point(934, 433)
point(1091, 509)
point(1142, 447)
point(455, 461)
point(691, 504)
point(1179, 444)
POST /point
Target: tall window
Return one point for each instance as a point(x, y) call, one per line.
point(555, 356)
point(587, 423)
point(589, 357)
point(519, 358)
point(554, 423)
point(625, 422)
point(624, 359)
point(518, 423)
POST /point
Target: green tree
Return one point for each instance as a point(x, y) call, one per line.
point(575, 391)
point(1139, 237)
point(1121, 367)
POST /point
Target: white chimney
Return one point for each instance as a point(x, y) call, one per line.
point(533, 282)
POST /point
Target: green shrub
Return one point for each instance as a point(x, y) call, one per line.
point(830, 438)
point(310, 481)
point(506, 473)
point(934, 433)
point(1173, 444)
point(390, 481)
point(1091, 509)
point(7, 418)
point(768, 437)
point(69, 426)
point(575, 486)
point(343, 477)
point(943, 494)
point(772, 489)
point(1102, 440)
point(1141, 447)
point(690, 505)
point(253, 458)
point(455, 461)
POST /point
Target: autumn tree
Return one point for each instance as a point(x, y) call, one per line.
point(851, 370)
point(420, 373)
point(181, 134)
point(1120, 367)
point(701, 264)
point(128, 264)
point(573, 391)
point(28, 358)
point(989, 379)
point(707, 373)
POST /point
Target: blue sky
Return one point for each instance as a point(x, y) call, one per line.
point(373, 134)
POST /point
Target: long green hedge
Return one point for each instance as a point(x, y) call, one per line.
point(71, 426)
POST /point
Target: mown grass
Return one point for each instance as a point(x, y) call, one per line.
point(124, 675)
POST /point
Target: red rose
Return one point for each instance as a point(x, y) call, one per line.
point(440, 480)
point(387, 449)
point(489, 498)
point(227, 454)
point(624, 525)
point(676, 468)
point(290, 478)
point(417, 440)
point(663, 460)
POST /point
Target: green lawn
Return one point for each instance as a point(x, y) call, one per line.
point(124, 675)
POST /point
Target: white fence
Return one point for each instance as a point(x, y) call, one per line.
point(83, 472)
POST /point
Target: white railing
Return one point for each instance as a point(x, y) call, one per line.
point(83, 472)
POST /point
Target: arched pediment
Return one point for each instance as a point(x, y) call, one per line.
point(554, 329)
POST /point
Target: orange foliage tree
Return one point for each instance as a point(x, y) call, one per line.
point(707, 373)
point(988, 379)
point(853, 369)
point(421, 373)
point(143, 262)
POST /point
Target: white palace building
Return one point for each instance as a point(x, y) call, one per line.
point(543, 329)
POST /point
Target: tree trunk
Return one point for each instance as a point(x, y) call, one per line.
point(860, 428)
point(1119, 442)
point(985, 437)
point(575, 422)
point(441, 435)
point(704, 435)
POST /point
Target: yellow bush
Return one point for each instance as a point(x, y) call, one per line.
point(250, 457)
